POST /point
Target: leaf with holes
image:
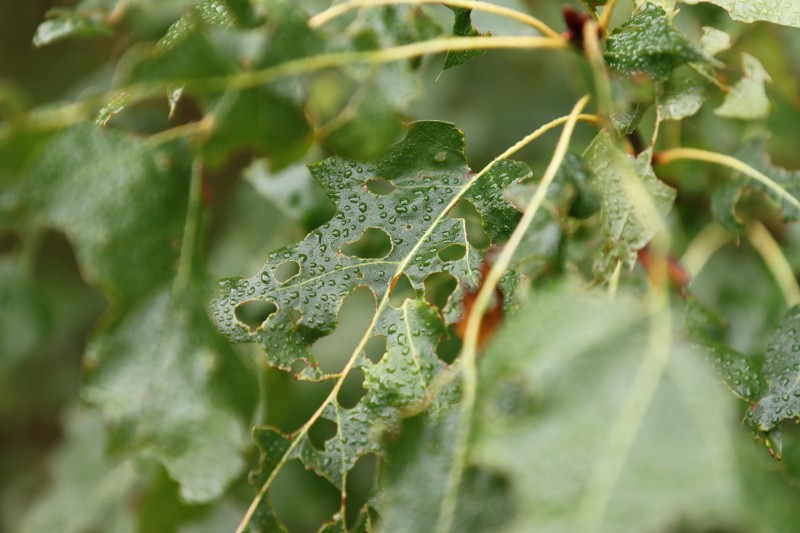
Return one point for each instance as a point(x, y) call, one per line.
point(391, 227)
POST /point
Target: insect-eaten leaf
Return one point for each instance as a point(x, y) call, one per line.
point(633, 201)
point(648, 42)
point(420, 179)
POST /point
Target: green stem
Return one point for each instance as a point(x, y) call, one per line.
point(191, 233)
point(468, 356)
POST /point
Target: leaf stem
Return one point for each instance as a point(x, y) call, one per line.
point(340, 9)
point(703, 246)
point(605, 18)
point(191, 232)
point(468, 356)
point(594, 56)
point(675, 154)
point(776, 262)
point(298, 435)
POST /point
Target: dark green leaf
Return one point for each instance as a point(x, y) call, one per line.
point(626, 122)
point(648, 42)
point(462, 27)
point(782, 372)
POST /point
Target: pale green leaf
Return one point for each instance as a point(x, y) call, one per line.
point(786, 12)
point(714, 41)
point(684, 93)
point(747, 100)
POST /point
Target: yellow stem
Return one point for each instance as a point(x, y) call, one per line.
point(340, 9)
point(703, 246)
point(675, 154)
point(776, 262)
point(468, 355)
point(605, 18)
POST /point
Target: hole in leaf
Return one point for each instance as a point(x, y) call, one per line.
point(401, 291)
point(352, 389)
point(294, 487)
point(476, 235)
point(355, 315)
point(380, 186)
point(295, 315)
point(373, 244)
point(439, 286)
point(360, 484)
point(320, 432)
point(253, 313)
point(449, 346)
point(375, 348)
point(453, 252)
point(287, 271)
point(484, 501)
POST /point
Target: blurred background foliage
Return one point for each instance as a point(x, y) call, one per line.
point(52, 445)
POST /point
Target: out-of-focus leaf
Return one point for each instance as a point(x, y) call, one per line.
point(291, 190)
point(627, 224)
point(747, 100)
point(725, 198)
point(262, 119)
point(735, 369)
point(684, 93)
point(87, 19)
point(626, 122)
point(714, 41)
point(462, 27)
point(307, 282)
point(786, 12)
point(22, 330)
point(567, 364)
point(89, 491)
point(782, 372)
point(121, 203)
point(648, 42)
point(172, 391)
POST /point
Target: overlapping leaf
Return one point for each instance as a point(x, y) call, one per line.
point(648, 42)
point(786, 12)
point(122, 204)
point(553, 385)
point(421, 178)
point(726, 198)
point(782, 372)
point(622, 181)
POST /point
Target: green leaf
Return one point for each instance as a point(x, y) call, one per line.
point(22, 331)
point(747, 100)
point(626, 122)
point(105, 192)
point(724, 200)
point(647, 42)
point(627, 224)
point(462, 27)
point(781, 370)
point(173, 392)
point(684, 93)
point(87, 19)
point(84, 479)
point(406, 196)
point(421, 177)
point(736, 370)
point(714, 41)
point(785, 12)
